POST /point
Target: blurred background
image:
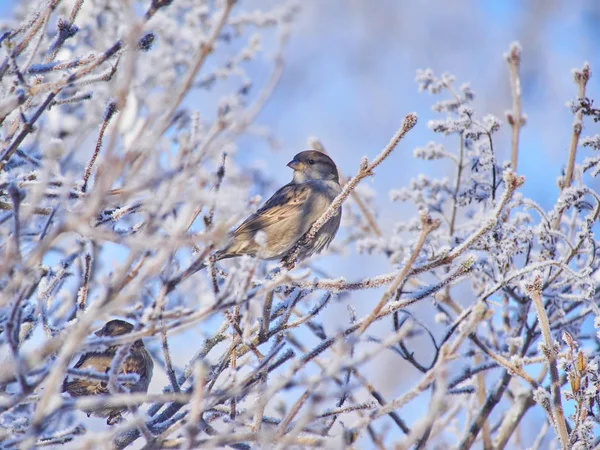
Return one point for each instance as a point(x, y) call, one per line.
point(349, 79)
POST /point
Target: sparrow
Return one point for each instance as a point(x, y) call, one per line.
point(290, 213)
point(137, 362)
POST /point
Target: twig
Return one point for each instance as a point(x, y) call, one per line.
point(168, 362)
point(65, 31)
point(581, 78)
point(111, 109)
point(83, 290)
point(234, 368)
point(515, 119)
point(292, 413)
point(457, 185)
point(428, 225)
point(534, 290)
point(27, 128)
point(14, 251)
point(196, 402)
point(266, 317)
point(512, 368)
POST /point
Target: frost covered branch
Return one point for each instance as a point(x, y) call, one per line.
point(123, 133)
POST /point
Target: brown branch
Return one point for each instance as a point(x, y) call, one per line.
point(428, 225)
point(515, 119)
point(168, 361)
point(534, 290)
point(111, 109)
point(27, 128)
point(581, 78)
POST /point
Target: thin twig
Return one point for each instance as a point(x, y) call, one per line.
point(535, 292)
point(515, 119)
point(581, 78)
point(428, 225)
point(111, 109)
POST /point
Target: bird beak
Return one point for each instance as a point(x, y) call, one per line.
point(98, 333)
point(296, 165)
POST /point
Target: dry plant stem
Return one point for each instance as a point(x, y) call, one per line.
point(513, 58)
point(517, 370)
point(495, 396)
point(480, 377)
point(135, 270)
point(481, 391)
point(457, 186)
point(235, 324)
point(168, 362)
point(55, 88)
point(575, 250)
point(14, 246)
point(62, 37)
point(265, 94)
point(399, 402)
point(12, 331)
point(292, 413)
point(27, 128)
point(266, 317)
point(238, 334)
point(512, 419)
point(234, 387)
point(581, 78)
point(446, 298)
point(427, 226)
point(83, 291)
point(365, 170)
point(377, 396)
point(438, 406)
point(259, 410)
point(40, 20)
point(196, 401)
point(35, 49)
point(512, 182)
point(535, 292)
point(110, 110)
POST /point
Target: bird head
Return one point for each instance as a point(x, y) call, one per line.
point(313, 165)
point(115, 327)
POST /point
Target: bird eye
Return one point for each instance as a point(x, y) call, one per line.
point(311, 161)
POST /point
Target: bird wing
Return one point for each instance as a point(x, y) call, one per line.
point(97, 361)
point(286, 202)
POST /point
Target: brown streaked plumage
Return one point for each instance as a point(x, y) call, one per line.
point(289, 214)
point(137, 362)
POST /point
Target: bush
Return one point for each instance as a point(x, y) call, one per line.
point(112, 197)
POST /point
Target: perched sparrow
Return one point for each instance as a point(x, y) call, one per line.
point(138, 362)
point(289, 214)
